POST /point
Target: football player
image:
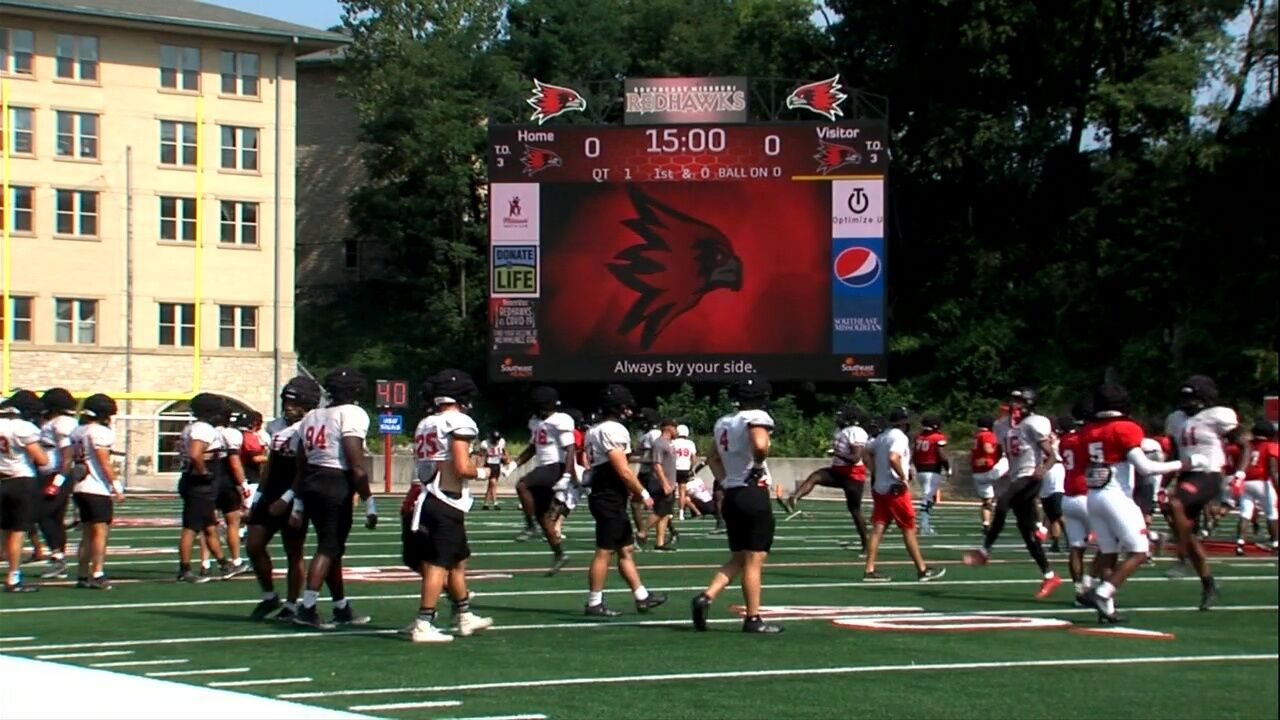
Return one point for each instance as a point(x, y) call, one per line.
point(22, 460)
point(1075, 493)
point(1199, 428)
point(230, 490)
point(739, 457)
point(847, 471)
point(95, 486)
point(551, 446)
point(298, 397)
point(495, 456)
point(200, 445)
point(891, 499)
point(55, 438)
point(441, 508)
point(1051, 491)
point(612, 482)
point(686, 452)
point(931, 463)
point(330, 445)
point(663, 489)
point(987, 467)
point(1259, 492)
point(644, 459)
point(1113, 443)
point(1026, 440)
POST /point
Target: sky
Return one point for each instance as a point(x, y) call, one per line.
point(319, 14)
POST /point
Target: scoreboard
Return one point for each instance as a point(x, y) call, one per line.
point(694, 252)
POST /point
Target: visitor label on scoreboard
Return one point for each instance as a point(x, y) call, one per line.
point(685, 101)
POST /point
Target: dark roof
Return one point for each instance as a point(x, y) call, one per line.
point(187, 14)
point(329, 56)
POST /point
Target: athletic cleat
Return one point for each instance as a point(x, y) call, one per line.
point(265, 608)
point(310, 617)
point(875, 577)
point(1047, 586)
point(1081, 600)
point(20, 587)
point(348, 616)
point(1178, 571)
point(422, 631)
point(98, 583)
point(206, 572)
point(1209, 596)
point(527, 534)
point(1239, 548)
point(230, 569)
point(756, 625)
point(931, 573)
point(467, 624)
point(975, 557)
point(787, 508)
point(56, 569)
point(600, 610)
point(82, 583)
point(1042, 532)
point(664, 548)
point(194, 579)
point(286, 614)
point(699, 608)
point(1106, 609)
point(651, 602)
point(557, 566)
point(719, 529)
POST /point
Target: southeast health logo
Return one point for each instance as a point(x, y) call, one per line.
point(858, 267)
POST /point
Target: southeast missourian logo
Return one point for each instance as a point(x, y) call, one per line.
point(550, 101)
point(536, 159)
point(822, 97)
point(858, 267)
point(832, 156)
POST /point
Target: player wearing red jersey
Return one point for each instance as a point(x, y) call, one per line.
point(987, 467)
point(1113, 443)
point(1259, 491)
point(931, 465)
point(1075, 493)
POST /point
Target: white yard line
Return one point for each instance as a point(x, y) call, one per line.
point(407, 705)
point(140, 663)
point(18, 638)
point(524, 716)
point(70, 656)
point(263, 681)
point(187, 673)
point(776, 673)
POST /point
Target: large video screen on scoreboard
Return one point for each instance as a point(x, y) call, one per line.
point(687, 253)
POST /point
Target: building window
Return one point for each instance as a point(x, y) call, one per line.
point(177, 143)
point(19, 133)
point(178, 324)
point(77, 57)
point(17, 47)
point(350, 254)
point(239, 148)
point(22, 217)
point(77, 135)
point(178, 219)
point(238, 327)
point(77, 212)
point(75, 321)
point(21, 318)
point(239, 73)
point(239, 223)
point(180, 68)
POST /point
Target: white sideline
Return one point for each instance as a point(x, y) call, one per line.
point(205, 671)
point(262, 681)
point(407, 705)
point(847, 670)
point(524, 716)
point(140, 663)
point(131, 697)
point(69, 656)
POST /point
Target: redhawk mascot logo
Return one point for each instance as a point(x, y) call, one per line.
point(549, 101)
point(680, 260)
point(536, 159)
point(831, 156)
point(822, 97)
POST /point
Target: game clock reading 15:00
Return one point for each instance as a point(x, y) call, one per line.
point(693, 153)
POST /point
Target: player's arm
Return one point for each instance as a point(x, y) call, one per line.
point(353, 450)
point(897, 466)
point(1047, 459)
point(64, 458)
point(943, 463)
point(668, 484)
point(35, 452)
point(622, 466)
point(237, 468)
point(717, 466)
point(527, 454)
point(461, 462)
point(108, 472)
point(1146, 466)
point(195, 455)
point(570, 456)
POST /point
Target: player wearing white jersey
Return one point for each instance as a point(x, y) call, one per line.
point(436, 535)
point(21, 461)
point(847, 472)
point(298, 397)
point(199, 447)
point(1199, 429)
point(495, 454)
point(330, 470)
point(1027, 442)
point(890, 453)
point(552, 447)
point(231, 491)
point(643, 457)
point(51, 508)
point(686, 452)
point(739, 457)
point(1051, 492)
point(612, 482)
point(95, 486)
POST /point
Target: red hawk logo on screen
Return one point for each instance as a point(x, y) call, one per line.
point(822, 97)
point(832, 156)
point(550, 101)
point(680, 260)
point(536, 159)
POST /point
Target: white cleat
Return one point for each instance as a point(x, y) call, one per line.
point(425, 632)
point(468, 624)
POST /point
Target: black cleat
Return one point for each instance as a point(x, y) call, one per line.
point(664, 548)
point(931, 573)
point(1209, 596)
point(98, 583)
point(651, 602)
point(286, 615)
point(194, 579)
point(265, 608)
point(875, 577)
point(700, 607)
point(347, 616)
point(600, 610)
point(756, 625)
point(230, 569)
point(1106, 613)
point(557, 566)
point(20, 588)
point(309, 617)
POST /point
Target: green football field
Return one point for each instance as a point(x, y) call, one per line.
point(544, 659)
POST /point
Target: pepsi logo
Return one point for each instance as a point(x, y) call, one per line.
point(857, 267)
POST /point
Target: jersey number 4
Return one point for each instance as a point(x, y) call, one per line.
point(724, 440)
point(315, 438)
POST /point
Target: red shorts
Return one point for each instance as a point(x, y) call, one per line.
point(895, 508)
